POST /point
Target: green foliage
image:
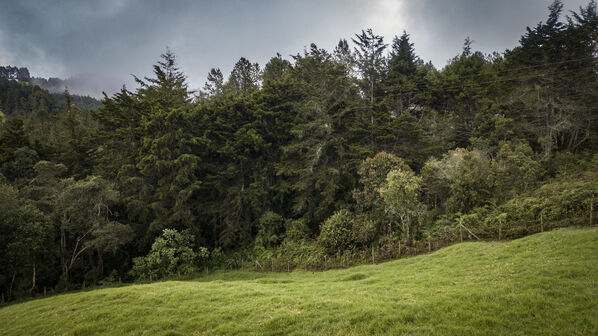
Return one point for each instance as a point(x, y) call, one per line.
point(562, 202)
point(461, 177)
point(271, 230)
point(539, 285)
point(21, 166)
point(336, 232)
point(84, 214)
point(515, 168)
point(296, 230)
point(372, 176)
point(324, 150)
point(336, 145)
point(401, 200)
point(26, 244)
point(244, 77)
point(172, 253)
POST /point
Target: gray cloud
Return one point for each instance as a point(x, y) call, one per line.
point(108, 40)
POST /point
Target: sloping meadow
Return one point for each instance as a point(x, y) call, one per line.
point(545, 284)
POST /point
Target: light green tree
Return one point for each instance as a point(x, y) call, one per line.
point(401, 200)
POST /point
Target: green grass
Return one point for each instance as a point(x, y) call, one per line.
point(545, 284)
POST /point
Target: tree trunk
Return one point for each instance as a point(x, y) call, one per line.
point(100, 265)
point(32, 280)
point(65, 269)
point(12, 281)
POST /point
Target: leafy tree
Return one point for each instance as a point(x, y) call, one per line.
point(466, 87)
point(462, 178)
point(401, 200)
point(515, 168)
point(343, 55)
point(26, 242)
point(372, 176)
point(118, 135)
point(21, 166)
point(12, 137)
point(17, 156)
point(85, 218)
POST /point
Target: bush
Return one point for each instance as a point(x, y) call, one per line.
point(296, 230)
point(336, 232)
point(271, 230)
point(171, 254)
point(365, 231)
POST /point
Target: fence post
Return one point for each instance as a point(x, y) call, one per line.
point(373, 256)
point(591, 210)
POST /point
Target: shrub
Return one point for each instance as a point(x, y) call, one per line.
point(336, 232)
point(296, 230)
point(271, 230)
point(171, 254)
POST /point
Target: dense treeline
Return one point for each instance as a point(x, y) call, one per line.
point(362, 153)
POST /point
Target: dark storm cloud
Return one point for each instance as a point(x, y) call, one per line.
point(106, 40)
point(442, 26)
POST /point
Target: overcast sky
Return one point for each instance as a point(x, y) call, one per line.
point(108, 40)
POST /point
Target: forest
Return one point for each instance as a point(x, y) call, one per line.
point(325, 159)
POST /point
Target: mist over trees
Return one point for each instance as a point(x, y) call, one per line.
point(363, 153)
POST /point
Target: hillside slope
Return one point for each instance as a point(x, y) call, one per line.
point(545, 284)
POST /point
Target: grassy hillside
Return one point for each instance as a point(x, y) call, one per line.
point(546, 284)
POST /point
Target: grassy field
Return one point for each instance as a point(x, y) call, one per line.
point(545, 284)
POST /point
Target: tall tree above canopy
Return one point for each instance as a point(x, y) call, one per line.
point(325, 149)
point(245, 77)
point(398, 128)
point(403, 60)
point(214, 84)
point(342, 54)
point(159, 173)
point(169, 88)
point(276, 69)
point(370, 60)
